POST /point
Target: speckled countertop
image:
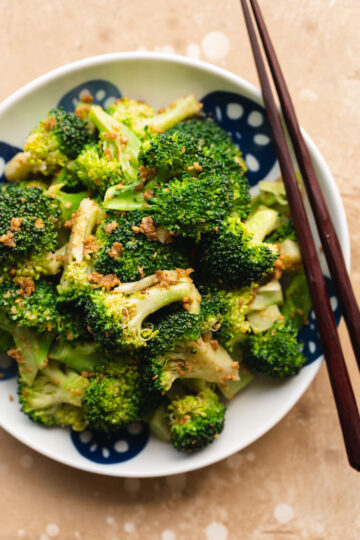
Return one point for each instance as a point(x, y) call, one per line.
point(294, 483)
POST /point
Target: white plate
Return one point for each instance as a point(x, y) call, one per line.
point(237, 105)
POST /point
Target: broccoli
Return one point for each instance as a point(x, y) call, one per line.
point(167, 155)
point(297, 301)
point(131, 112)
point(94, 168)
point(235, 254)
point(54, 397)
point(131, 247)
point(30, 219)
point(77, 266)
point(57, 139)
point(195, 421)
point(28, 312)
point(187, 205)
point(183, 348)
point(273, 195)
point(119, 143)
point(172, 155)
point(275, 352)
point(284, 231)
point(82, 356)
point(191, 206)
point(116, 397)
point(67, 202)
point(160, 158)
point(110, 398)
point(140, 117)
point(214, 142)
point(28, 222)
point(117, 319)
point(232, 306)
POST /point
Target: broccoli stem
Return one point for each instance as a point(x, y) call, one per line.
point(70, 386)
point(261, 223)
point(204, 361)
point(86, 219)
point(173, 114)
point(123, 145)
point(159, 424)
point(81, 356)
point(297, 301)
point(156, 298)
point(53, 262)
point(32, 350)
point(127, 198)
point(68, 202)
point(19, 167)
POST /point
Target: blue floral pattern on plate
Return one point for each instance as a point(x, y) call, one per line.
point(247, 124)
point(103, 93)
point(249, 128)
point(7, 151)
point(122, 445)
point(309, 334)
point(8, 367)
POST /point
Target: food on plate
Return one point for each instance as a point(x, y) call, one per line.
point(139, 279)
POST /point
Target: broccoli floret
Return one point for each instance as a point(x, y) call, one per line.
point(124, 249)
point(57, 139)
point(160, 158)
point(284, 231)
point(168, 155)
point(117, 319)
point(131, 112)
point(142, 120)
point(119, 143)
point(235, 254)
point(28, 312)
point(275, 352)
point(117, 397)
point(195, 421)
point(191, 206)
point(29, 229)
point(28, 222)
point(233, 305)
point(111, 398)
point(94, 168)
point(183, 348)
point(186, 205)
point(217, 144)
point(166, 118)
point(55, 397)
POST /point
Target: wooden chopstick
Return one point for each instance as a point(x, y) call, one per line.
point(339, 377)
point(327, 233)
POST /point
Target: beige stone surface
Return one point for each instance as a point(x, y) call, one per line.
point(294, 483)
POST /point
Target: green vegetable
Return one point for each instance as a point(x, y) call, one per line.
point(275, 352)
point(235, 253)
point(129, 253)
point(57, 139)
point(180, 349)
point(195, 421)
